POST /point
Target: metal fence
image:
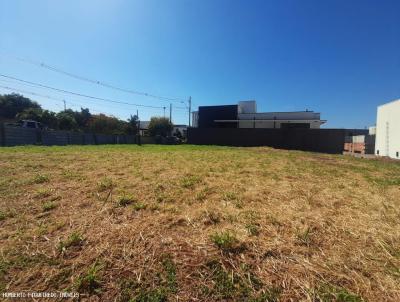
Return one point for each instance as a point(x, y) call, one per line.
point(15, 136)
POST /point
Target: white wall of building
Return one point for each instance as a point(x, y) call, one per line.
point(247, 107)
point(388, 130)
point(247, 120)
point(195, 119)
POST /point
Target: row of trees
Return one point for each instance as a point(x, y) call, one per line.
point(17, 107)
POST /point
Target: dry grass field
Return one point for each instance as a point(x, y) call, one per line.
point(199, 223)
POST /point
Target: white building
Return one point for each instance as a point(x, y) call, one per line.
point(246, 116)
point(249, 118)
point(388, 130)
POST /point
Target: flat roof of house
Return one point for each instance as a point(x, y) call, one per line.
point(311, 111)
point(270, 120)
point(390, 103)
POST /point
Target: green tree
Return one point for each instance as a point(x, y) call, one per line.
point(66, 121)
point(132, 125)
point(30, 114)
point(46, 117)
point(101, 123)
point(160, 126)
point(81, 117)
point(12, 104)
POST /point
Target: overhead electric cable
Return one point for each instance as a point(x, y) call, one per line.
point(104, 84)
point(78, 94)
point(54, 98)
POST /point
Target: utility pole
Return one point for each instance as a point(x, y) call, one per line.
point(170, 112)
point(138, 129)
point(190, 108)
point(164, 111)
point(65, 105)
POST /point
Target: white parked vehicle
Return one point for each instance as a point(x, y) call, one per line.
point(28, 124)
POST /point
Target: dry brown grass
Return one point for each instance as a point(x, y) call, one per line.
point(188, 223)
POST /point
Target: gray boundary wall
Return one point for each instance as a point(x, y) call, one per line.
point(16, 136)
point(315, 140)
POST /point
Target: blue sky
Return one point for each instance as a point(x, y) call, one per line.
point(338, 57)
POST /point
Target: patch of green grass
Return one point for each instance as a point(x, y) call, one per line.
point(224, 285)
point(271, 294)
point(212, 217)
point(227, 241)
point(43, 193)
point(105, 184)
point(90, 282)
point(48, 206)
point(75, 239)
point(202, 195)
point(166, 284)
point(137, 206)
point(3, 215)
point(189, 181)
point(4, 265)
point(305, 236)
point(125, 200)
point(170, 271)
point(229, 284)
point(40, 178)
point(234, 198)
point(60, 278)
point(328, 293)
point(253, 229)
point(69, 174)
point(152, 295)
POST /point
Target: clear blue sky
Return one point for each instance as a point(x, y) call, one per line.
point(338, 57)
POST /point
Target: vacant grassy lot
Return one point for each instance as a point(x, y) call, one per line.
point(191, 223)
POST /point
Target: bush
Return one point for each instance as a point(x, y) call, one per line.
point(160, 126)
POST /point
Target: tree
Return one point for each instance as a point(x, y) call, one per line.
point(82, 118)
point(30, 114)
point(160, 126)
point(66, 121)
point(46, 117)
point(132, 126)
point(101, 123)
point(49, 118)
point(12, 104)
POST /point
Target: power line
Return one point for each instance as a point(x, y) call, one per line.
point(35, 86)
point(32, 93)
point(78, 94)
point(45, 96)
point(53, 98)
point(104, 84)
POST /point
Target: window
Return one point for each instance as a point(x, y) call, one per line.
point(31, 125)
point(377, 152)
point(397, 154)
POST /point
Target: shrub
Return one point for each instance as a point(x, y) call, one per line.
point(137, 206)
point(75, 239)
point(160, 126)
point(48, 206)
point(227, 242)
point(40, 178)
point(90, 282)
point(105, 184)
point(125, 200)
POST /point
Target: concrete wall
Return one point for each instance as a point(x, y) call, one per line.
point(388, 130)
point(317, 140)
